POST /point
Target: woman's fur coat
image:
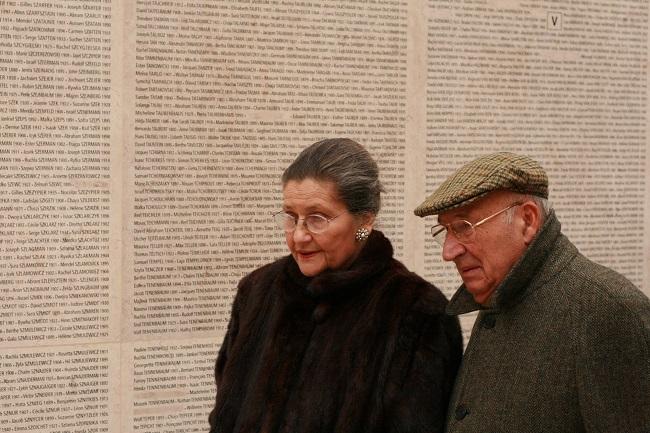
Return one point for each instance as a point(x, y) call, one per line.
point(367, 349)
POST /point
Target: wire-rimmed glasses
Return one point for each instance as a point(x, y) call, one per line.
point(462, 230)
point(314, 223)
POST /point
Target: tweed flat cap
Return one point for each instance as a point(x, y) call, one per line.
point(497, 171)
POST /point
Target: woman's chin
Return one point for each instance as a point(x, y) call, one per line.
point(310, 266)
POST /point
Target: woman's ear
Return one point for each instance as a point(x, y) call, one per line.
point(532, 218)
point(367, 221)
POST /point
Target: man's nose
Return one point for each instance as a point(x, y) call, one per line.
point(451, 248)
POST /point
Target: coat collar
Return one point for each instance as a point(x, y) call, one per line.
point(549, 249)
point(335, 285)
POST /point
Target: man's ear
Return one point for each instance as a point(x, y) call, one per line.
point(532, 217)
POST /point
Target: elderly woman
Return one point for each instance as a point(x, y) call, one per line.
point(338, 336)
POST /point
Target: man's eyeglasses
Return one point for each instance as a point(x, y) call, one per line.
point(314, 223)
point(462, 230)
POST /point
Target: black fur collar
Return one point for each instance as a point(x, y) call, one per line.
point(336, 285)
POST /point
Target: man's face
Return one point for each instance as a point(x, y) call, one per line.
point(484, 260)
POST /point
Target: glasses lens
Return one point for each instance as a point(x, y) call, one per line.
point(439, 233)
point(462, 229)
point(285, 221)
point(316, 223)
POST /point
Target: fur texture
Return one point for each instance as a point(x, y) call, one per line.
point(367, 349)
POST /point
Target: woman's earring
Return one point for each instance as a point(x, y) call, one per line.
point(361, 234)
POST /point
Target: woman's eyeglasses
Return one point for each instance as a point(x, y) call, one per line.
point(314, 223)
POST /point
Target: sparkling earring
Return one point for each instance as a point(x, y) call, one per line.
point(361, 234)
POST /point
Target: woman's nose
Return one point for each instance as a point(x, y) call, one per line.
point(300, 233)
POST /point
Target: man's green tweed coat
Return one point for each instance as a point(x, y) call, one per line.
point(563, 348)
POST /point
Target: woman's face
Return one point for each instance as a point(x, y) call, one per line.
point(335, 248)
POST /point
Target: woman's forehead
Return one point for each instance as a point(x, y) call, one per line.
point(311, 194)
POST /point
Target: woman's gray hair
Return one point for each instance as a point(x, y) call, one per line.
point(346, 164)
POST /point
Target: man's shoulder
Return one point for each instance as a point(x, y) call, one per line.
point(571, 272)
point(604, 282)
point(603, 294)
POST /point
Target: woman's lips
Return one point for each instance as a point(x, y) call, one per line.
point(305, 255)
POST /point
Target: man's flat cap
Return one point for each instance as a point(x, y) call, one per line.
point(497, 171)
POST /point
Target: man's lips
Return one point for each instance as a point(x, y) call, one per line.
point(465, 270)
point(306, 254)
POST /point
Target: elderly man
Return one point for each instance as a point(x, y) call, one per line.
point(561, 344)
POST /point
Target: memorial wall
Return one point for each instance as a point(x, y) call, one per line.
point(142, 142)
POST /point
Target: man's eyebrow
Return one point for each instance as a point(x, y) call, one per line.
point(456, 216)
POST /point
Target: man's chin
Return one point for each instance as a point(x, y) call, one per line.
point(481, 299)
point(479, 293)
